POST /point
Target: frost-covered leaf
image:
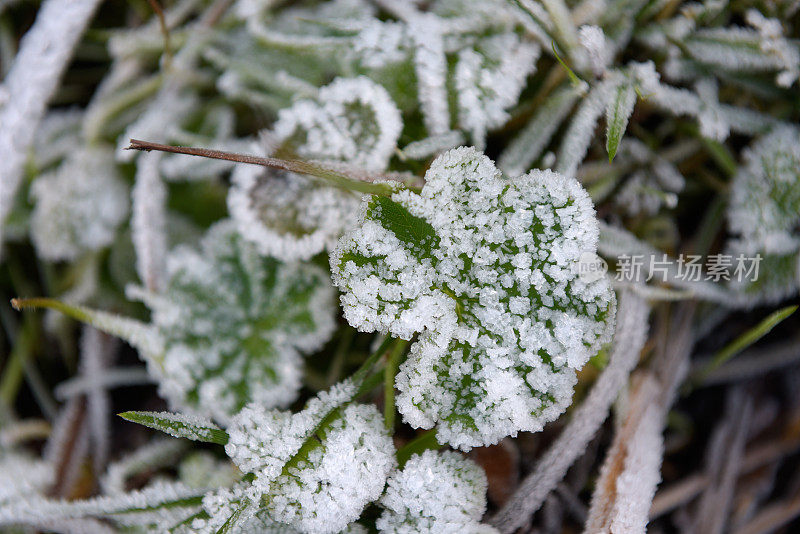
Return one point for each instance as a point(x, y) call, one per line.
point(435, 493)
point(352, 120)
point(78, 206)
point(290, 216)
point(179, 426)
point(315, 470)
point(581, 130)
point(234, 325)
point(159, 503)
point(735, 48)
point(592, 39)
point(484, 268)
point(488, 80)
point(618, 112)
point(764, 213)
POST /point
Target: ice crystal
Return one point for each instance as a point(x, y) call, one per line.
point(78, 206)
point(435, 492)
point(321, 488)
point(764, 213)
point(291, 216)
point(484, 268)
point(234, 325)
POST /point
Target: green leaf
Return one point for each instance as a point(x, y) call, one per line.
point(179, 426)
point(414, 232)
point(618, 111)
point(466, 265)
point(745, 340)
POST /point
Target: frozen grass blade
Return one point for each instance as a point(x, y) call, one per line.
point(179, 426)
point(138, 334)
point(618, 112)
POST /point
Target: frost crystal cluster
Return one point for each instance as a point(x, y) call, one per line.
point(234, 325)
point(321, 487)
point(484, 268)
point(435, 492)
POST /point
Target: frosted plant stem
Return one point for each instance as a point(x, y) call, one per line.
point(149, 223)
point(97, 351)
point(30, 84)
point(628, 342)
point(631, 470)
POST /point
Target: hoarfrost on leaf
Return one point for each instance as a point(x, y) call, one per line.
point(315, 470)
point(435, 493)
point(234, 325)
point(352, 120)
point(764, 212)
point(484, 268)
point(78, 206)
point(292, 217)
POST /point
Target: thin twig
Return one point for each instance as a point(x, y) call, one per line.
point(334, 177)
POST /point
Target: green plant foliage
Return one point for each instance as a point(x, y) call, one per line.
point(234, 325)
point(483, 267)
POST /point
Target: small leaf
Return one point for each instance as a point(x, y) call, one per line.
point(482, 268)
point(435, 492)
point(315, 470)
point(618, 111)
point(180, 426)
point(526, 147)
